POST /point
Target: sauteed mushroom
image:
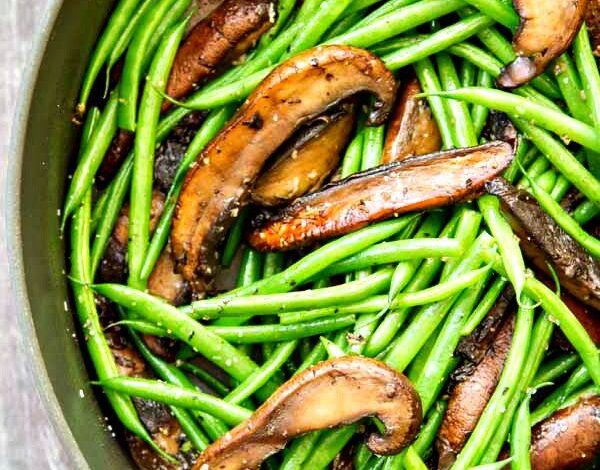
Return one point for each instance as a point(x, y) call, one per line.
point(307, 161)
point(569, 439)
point(417, 183)
point(412, 130)
point(544, 241)
point(295, 92)
point(592, 19)
point(335, 392)
point(546, 31)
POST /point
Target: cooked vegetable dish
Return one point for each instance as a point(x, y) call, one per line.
point(346, 234)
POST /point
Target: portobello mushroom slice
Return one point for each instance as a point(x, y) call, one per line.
point(412, 130)
point(335, 392)
point(417, 183)
point(569, 439)
point(469, 397)
point(294, 93)
point(307, 160)
point(543, 242)
point(545, 32)
point(592, 19)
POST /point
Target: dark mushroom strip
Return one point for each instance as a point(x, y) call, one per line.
point(336, 392)
point(546, 30)
point(474, 346)
point(476, 384)
point(307, 160)
point(294, 93)
point(569, 439)
point(592, 19)
point(412, 130)
point(418, 183)
point(543, 241)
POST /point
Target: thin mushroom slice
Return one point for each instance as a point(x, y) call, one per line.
point(308, 160)
point(336, 392)
point(417, 183)
point(412, 130)
point(546, 30)
point(568, 439)
point(543, 242)
point(592, 19)
point(294, 93)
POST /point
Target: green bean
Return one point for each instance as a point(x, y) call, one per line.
point(299, 450)
point(330, 444)
point(547, 180)
point(570, 86)
point(523, 157)
point(479, 114)
point(91, 158)
point(178, 396)
point(508, 243)
point(429, 430)
point(554, 401)
point(529, 110)
point(97, 346)
point(205, 377)
point(384, 9)
point(564, 220)
point(564, 318)
point(467, 74)
point(125, 37)
point(372, 147)
point(555, 368)
point(505, 390)
point(494, 466)
point(233, 239)
point(466, 231)
point(437, 41)
point(539, 166)
point(133, 66)
point(460, 118)
point(431, 84)
point(262, 375)
point(520, 437)
point(326, 15)
point(155, 310)
point(412, 461)
point(252, 334)
point(343, 25)
point(274, 263)
point(418, 363)
point(484, 306)
point(395, 251)
point(407, 345)
point(250, 267)
point(333, 350)
point(117, 23)
point(588, 71)
point(586, 211)
point(144, 146)
point(502, 13)
point(397, 22)
point(540, 340)
point(392, 45)
point(165, 372)
point(213, 124)
point(353, 156)
point(269, 304)
point(99, 209)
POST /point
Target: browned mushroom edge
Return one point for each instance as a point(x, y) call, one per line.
point(543, 242)
point(307, 160)
point(546, 30)
point(569, 439)
point(417, 183)
point(333, 393)
point(294, 93)
point(226, 34)
point(475, 385)
point(592, 19)
point(412, 129)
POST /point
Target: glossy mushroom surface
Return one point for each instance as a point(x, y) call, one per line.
point(418, 183)
point(546, 30)
point(294, 93)
point(335, 392)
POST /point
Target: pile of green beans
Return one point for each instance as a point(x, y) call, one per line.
point(404, 291)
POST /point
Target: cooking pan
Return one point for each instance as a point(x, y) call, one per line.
point(41, 155)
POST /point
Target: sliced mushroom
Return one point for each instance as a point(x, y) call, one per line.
point(475, 346)
point(592, 18)
point(412, 130)
point(417, 183)
point(294, 93)
point(231, 29)
point(543, 241)
point(476, 384)
point(546, 30)
point(587, 316)
point(336, 392)
point(307, 160)
point(569, 439)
